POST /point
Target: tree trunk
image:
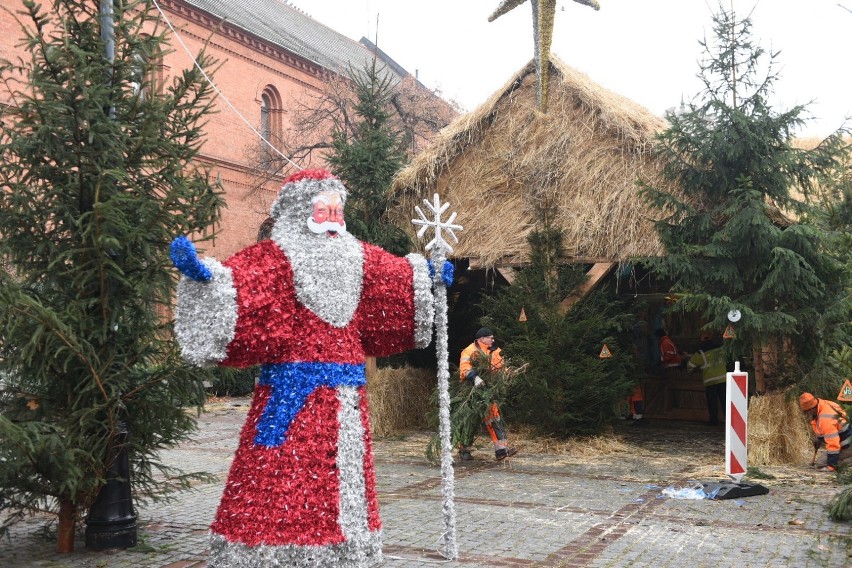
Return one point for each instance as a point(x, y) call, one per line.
point(759, 371)
point(67, 523)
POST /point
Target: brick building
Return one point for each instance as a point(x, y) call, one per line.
point(271, 56)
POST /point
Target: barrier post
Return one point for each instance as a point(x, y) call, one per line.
point(736, 447)
point(736, 423)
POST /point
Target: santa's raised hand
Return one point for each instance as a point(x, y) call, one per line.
point(185, 258)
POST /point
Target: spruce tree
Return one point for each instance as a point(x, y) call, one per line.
point(97, 178)
point(832, 213)
point(730, 241)
point(567, 388)
point(366, 155)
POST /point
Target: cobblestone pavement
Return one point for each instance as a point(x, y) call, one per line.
point(532, 510)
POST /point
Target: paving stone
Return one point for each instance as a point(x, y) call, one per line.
point(530, 511)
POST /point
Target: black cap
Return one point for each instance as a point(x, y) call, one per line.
point(484, 332)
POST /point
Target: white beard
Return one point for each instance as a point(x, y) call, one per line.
point(327, 272)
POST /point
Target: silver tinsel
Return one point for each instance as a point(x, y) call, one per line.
point(206, 316)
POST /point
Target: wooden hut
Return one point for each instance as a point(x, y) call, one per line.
point(585, 154)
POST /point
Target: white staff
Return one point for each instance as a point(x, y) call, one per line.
point(439, 249)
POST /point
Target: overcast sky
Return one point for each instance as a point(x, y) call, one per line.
point(646, 50)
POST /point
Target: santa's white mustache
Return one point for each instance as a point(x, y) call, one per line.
point(326, 226)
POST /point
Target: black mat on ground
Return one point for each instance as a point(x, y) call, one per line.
point(730, 490)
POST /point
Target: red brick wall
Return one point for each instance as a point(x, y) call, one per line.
point(247, 67)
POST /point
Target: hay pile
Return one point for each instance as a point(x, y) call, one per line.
point(400, 399)
point(525, 437)
point(777, 431)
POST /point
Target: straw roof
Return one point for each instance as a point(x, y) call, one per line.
point(585, 154)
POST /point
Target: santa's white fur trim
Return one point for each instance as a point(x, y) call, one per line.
point(350, 554)
point(350, 465)
point(424, 303)
point(206, 315)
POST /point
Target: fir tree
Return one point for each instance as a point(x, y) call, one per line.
point(832, 213)
point(97, 178)
point(567, 388)
point(366, 156)
point(728, 243)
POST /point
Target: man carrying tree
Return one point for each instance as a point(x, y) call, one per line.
point(482, 354)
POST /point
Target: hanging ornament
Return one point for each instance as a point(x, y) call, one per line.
point(523, 317)
point(605, 352)
point(729, 332)
point(845, 394)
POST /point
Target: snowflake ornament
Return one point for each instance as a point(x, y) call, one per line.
point(437, 209)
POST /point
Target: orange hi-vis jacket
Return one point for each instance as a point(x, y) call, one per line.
point(472, 353)
point(831, 425)
point(669, 354)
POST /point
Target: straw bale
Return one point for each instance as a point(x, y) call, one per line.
point(777, 431)
point(585, 154)
point(400, 399)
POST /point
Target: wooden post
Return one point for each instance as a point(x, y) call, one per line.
point(370, 367)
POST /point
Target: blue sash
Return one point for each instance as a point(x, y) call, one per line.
point(291, 384)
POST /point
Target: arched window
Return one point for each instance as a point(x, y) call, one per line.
point(270, 124)
point(265, 105)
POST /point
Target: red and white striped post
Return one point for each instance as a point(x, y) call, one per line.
point(736, 423)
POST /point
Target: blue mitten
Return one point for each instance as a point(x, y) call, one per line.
point(185, 259)
point(446, 273)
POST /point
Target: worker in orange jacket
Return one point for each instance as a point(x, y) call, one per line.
point(636, 403)
point(472, 356)
point(831, 427)
point(670, 355)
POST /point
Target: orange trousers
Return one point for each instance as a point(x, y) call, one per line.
point(496, 427)
point(636, 400)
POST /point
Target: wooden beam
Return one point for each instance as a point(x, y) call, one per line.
point(508, 273)
point(594, 276)
point(516, 262)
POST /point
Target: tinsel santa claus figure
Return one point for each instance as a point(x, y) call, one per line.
point(309, 305)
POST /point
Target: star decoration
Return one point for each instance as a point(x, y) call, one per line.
point(544, 12)
point(437, 210)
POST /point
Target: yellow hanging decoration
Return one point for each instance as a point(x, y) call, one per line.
point(523, 317)
point(544, 12)
point(605, 352)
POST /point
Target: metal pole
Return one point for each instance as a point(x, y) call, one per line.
point(107, 16)
point(107, 28)
point(111, 521)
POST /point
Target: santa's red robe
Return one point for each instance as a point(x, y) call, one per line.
point(301, 490)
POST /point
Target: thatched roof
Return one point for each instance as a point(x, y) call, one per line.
point(586, 153)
